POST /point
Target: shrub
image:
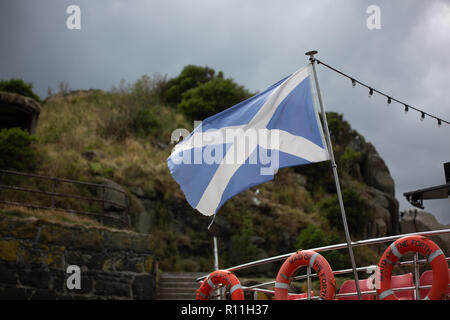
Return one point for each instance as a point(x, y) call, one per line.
point(20, 87)
point(16, 149)
point(350, 157)
point(318, 176)
point(135, 109)
point(314, 237)
point(145, 122)
point(338, 259)
point(190, 77)
point(211, 97)
point(242, 248)
point(148, 91)
point(340, 130)
point(357, 213)
point(311, 237)
point(198, 92)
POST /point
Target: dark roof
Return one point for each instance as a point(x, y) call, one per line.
point(18, 111)
point(437, 192)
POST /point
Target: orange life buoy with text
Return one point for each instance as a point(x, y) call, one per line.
point(305, 258)
point(396, 250)
point(228, 279)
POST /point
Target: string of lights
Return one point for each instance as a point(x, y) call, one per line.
point(407, 107)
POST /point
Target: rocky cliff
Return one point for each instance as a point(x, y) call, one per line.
point(415, 220)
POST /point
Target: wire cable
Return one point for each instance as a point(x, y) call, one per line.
point(389, 98)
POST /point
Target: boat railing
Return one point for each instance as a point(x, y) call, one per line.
point(369, 269)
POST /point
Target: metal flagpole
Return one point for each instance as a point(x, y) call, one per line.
point(216, 255)
point(336, 177)
point(220, 291)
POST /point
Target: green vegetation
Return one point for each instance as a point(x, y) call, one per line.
point(242, 244)
point(20, 87)
point(16, 149)
point(136, 110)
point(356, 211)
point(313, 237)
point(198, 93)
point(210, 98)
point(190, 77)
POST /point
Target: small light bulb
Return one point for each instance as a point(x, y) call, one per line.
point(389, 100)
point(406, 108)
point(439, 123)
point(422, 117)
point(370, 92)
point(353, 83)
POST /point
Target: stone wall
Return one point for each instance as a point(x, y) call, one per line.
point(35, 254)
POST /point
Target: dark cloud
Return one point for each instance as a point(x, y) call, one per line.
point(257, 43)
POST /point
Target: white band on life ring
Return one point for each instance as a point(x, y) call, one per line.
point(312, 259)
point(234, 288)
point(211, 284)
point(384, 294)
point(395, 251)
point(434, 255)
point(281, 285)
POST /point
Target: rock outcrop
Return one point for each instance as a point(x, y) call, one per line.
point(376, 173)
point(364, 164)
point(115, 203)
point(415, 220)
point(385, 214)
point(369, 167)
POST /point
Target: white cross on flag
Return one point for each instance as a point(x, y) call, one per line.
point(244, 145)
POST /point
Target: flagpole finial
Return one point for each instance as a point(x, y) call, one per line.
point(311, 55)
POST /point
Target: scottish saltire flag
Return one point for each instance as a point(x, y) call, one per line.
point(244, 145)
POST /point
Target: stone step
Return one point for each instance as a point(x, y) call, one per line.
point(182, 276)
point(171, 284)
point(178, 285)
point(178, 281)
point(176, 296)
point(177, 290)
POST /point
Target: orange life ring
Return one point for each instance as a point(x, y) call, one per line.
point(304, 258)
point(396, 250)
point(228, 279)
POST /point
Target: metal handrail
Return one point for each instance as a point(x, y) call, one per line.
point(53, 194)
point(339, 272)
point(33, 175)
point(63, 195)
point(308, 276)
point(332, 247)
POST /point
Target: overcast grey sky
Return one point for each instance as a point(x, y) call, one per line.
point(257, 42)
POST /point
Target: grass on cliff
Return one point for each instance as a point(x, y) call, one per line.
point(100, 121)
